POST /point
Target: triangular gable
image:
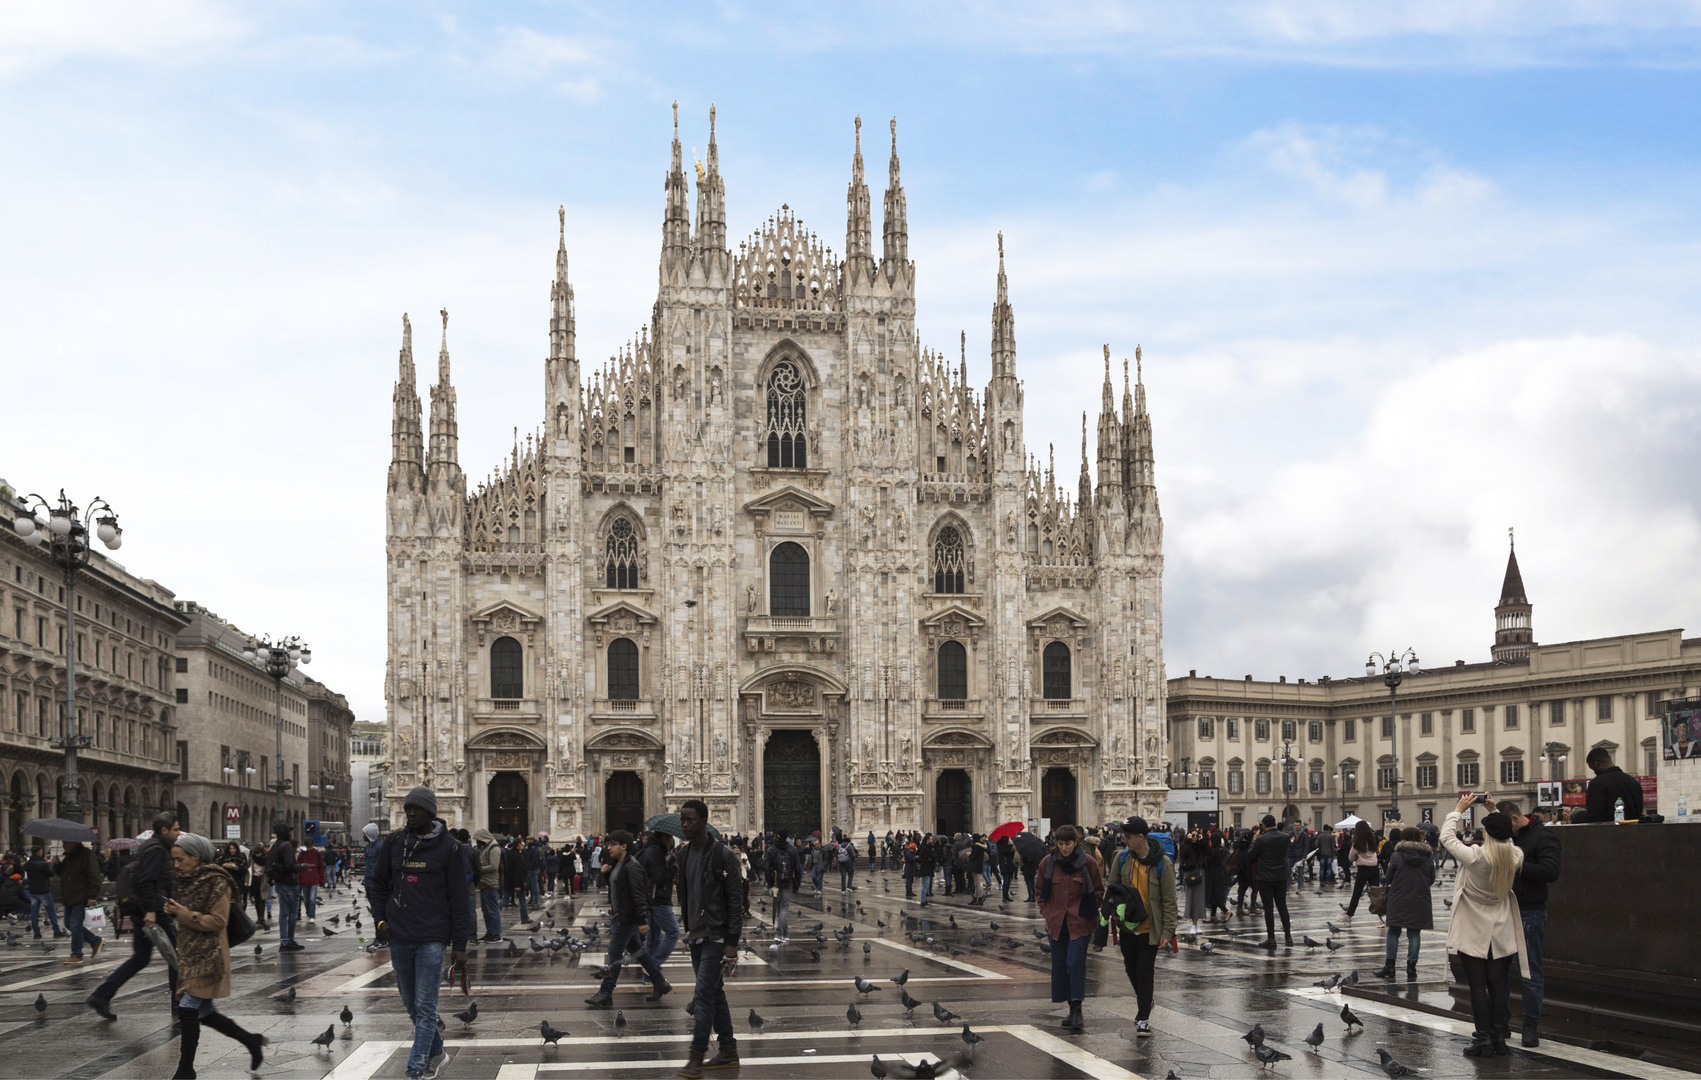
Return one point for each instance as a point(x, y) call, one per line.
point(1075, 618)
point(601, 616)
point(970, 618)
point(811, 502)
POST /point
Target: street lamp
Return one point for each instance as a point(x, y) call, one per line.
point(278, 660)
point(66, 533)
point(1558, 759)
point(1395, 667)
point(326, 787)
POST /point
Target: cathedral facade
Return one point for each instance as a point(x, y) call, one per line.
point(777, 554)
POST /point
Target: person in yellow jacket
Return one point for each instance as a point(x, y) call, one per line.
point(1143, 868)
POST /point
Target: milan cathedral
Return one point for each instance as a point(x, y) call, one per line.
point(779, 555)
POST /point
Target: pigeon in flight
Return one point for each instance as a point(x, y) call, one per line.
point(550, 1035)
point(1255, 1037)
point(853, 1014)
point(1350, 1018)
point(1390, 1066)
point(325, 1038)
point(943, 1015)
point(1315, 1039)
point(1269, 1055)
point(756, 1022)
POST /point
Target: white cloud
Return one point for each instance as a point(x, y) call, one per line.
point(35, 33)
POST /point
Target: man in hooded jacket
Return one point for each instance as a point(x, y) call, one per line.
point(489, 882)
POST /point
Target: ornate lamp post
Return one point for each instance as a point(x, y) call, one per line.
point(1558, 760)
point(278, 660)
point(1395, 667)
point(66, 533)
point(1290, 776)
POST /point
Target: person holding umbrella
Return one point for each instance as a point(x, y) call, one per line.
point(80, 884)
point(153, 881)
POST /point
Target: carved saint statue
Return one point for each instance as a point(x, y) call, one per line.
point(832, 600)
point(750, 599)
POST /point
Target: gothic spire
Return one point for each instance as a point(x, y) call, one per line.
point(859, 229)
point(1110, 436)
point(1145, 479)
point(561, 317)
point(711, 198)
point(405, 437)
point(1003, 324)
point(444, 432)
point(1514, 632)
point(1084, 496)
point(676, 221)
point(896, 219)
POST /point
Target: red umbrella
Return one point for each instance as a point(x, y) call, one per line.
point(1009, 828)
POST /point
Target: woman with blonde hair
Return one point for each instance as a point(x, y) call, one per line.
point(1487, 929)
point(202, 906)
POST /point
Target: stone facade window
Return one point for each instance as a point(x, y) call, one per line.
point(1057, 671)
point(1263, 779)
point(1261, 730)
point(1426, 723)
point(948, 561)
point(620, 555)
point(1204, 729)
point(788, 581)
point(1289, 730)
point(1236, 781)
point(507, 678)
point(1467, 721)
point(953, 671)
point(1314, 731)
point(622, 670)
point(787, 443)
point(1427, 776)
point(1512, 771)
point(1233, 725)
point(1470, 774)
point(1511, 717)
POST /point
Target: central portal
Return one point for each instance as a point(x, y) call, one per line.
point(791, 783)
point(952, 802)
point(509, 797)
point(1057, 796)
point(623, 806)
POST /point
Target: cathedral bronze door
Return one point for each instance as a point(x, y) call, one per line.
point(791, 783)
point(1057, 797)
point(509, 798)
point(953, 808)
point(623, 802)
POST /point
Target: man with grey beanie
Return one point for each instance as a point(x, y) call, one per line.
point(417, 888)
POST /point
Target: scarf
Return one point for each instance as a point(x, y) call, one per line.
point(199, 952)
point(1068, 866)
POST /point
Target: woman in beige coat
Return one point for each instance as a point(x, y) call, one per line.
point(201, 909)
point(1487, 929)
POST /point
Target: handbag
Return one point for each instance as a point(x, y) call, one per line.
point(238, 926)
point(95, 918)
point(1378, 895)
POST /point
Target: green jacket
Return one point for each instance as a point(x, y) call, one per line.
point(1160, 889)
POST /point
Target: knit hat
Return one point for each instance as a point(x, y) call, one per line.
point(1498, 825)
point(423, 797)
point(198, 846)
point(370, 831)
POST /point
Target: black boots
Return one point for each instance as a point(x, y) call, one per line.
point(1386, 971)
point(602, 999)
point(1532, 1036)
point(1411, 971)
point(190, 1022)
point(1074, 1021)
point(1480, 1045)
point(230, 1029)
point(657, 990)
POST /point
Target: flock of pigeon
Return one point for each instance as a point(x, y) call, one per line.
point(1268, 1055)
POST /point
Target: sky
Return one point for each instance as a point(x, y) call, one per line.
point(1404, 276)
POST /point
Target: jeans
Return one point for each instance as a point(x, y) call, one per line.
point(1412, 937)
point(310, 896)
point(816, 873)
point(782, 912)
point(289, 912)
point(926, 886)
point(491, 904)
point(141, 951)
point(1326, 870)
point(847, 876)
point(1535, 929)
point(517, 897)
point(1140, 959)
point(708, 1002)
point(664, 931)
point(621, 940)
point(1068, 968)
point(532, 887)
point(37, 902)
point(419, 972)
point(74, 923)
point(1442, 856)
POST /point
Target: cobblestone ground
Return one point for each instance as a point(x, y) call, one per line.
point(1206, 1000)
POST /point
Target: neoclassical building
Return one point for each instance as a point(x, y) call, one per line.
point(778, 554)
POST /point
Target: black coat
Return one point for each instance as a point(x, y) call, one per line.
point(1269, 855)
point(1411, 873)
point(419, 888)
point(1541, 865)
point(629, 894)
point(1608, 786)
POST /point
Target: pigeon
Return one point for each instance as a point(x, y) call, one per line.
point(756, 1022)
point(971, 1038)
point(259, 950)
point(532, 941)
point(346, 1016)
point(1044, 948)
point(814, 954)
point(1330, 983)
point(953, 919)
point(1350, 979)
point(335, 920)
point(1333, 929)
point(40, 1004)
point(878, 1068)
point(1350, 1018)
point(902, 978)
point(992, 926)
point(943, 1015)
point(550, 1035)
point(1447, 901)
point(1310, 944)
point(1390, 1066)
point(909, 1003)
point(468, 1014)
point(1269, 1055)
point(1255, 1037)
point(619, 1021)
point(288, 996)
point(1204, 947)
point(1171, 1075)
point(882, 925)
point(1332, 944)
point(328, 931)
point(326, 1038)
point(1315, 1039)
point(853, 1014)
point(867, 948)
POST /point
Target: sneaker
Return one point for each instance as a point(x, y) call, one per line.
point(95, 947)
point(434, 1065)
point(72, 960)
point(1142, 1029)
point(290, 946)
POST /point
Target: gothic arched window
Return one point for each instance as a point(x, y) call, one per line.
point(948, 561)
point(787, 445)
point(953, 671)
point(1057, 670)
point(621, 555)
point(506, 669)
point(622, 670)
point(788, 581)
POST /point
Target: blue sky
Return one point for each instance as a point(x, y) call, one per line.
point(1403, 278)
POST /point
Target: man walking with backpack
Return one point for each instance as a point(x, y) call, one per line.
point(144, 885)
point(1146, 911)
point(282, 872)
point(846, 858)
point(785, 870)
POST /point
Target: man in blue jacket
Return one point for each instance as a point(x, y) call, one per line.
point(420, 902)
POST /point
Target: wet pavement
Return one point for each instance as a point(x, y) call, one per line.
point(1001, 986)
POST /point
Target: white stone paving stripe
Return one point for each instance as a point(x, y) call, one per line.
point(1070, 1054)
point(366, 1060)
point(927, 955)
point(1577, 1055)
point(517, 1072)
point(746, 1062)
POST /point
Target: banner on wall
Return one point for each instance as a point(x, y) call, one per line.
point(1573, 792)
point(1547, 793)
point(1680, 731)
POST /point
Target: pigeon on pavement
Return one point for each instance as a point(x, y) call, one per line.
point(326, 1038)
point(1330, 983)
point(878, 1068)
point(619, 1021)
point(1255, 1037)
point(863, 986)
point(550, 1035)
point(853, 1014)
point(943, 1015)
point(1390, 1066)
point(1315, 1039)
point(902, 978)
point(346, 1016)
point(1311, 944)
point(971, 1039)
point(756, 1022)
point(1269, 1055)
point(909, 1003)
point(288, 996)
point(1204, 947)
point(40, 1004)
point(1350, 1018)
point(1332, 944)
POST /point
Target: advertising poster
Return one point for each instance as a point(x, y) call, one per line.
point(1574, 792)
point(1681, 729)
point(1547, 793)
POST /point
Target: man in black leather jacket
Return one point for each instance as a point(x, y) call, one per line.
point(710, 891)
point(629, 912)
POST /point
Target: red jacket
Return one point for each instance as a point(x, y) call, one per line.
point(311, 865)
point(1063, 907)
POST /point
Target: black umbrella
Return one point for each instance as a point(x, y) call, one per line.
point(1030, 847)
point(670, 824)
point(53, 828)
